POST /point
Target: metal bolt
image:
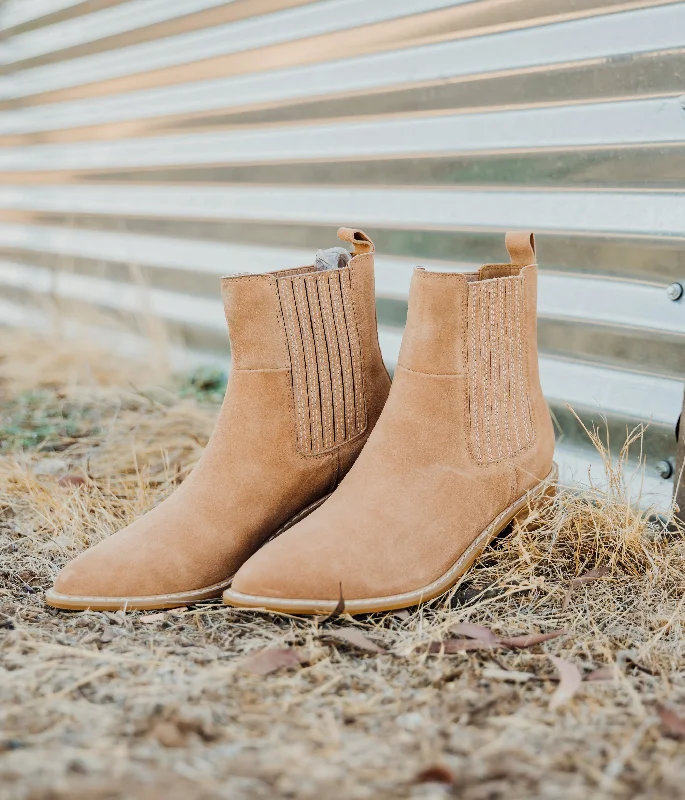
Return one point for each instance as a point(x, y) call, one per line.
point(664, 469)
point(674, 291)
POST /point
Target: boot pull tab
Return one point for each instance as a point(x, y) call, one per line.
point(521, 247)
point(361, 242)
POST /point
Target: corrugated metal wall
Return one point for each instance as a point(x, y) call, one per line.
point(145, 142)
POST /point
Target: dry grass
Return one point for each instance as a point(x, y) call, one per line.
point(100, 705)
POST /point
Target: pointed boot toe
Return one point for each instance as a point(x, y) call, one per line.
point(306, 387)
point(310, 583)
point(463, 448)
point(134, 569)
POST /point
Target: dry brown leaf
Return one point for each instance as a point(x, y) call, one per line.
point(569, 682)
point(477, 637)
point(472, 631)
point(607, 673)
point(357, 639)
point(148, 619)
point(436, 773)
point(530, 639)
point(269, 660)
point(71, 480)
point(338, 610)
point(672, 723)
point(592, 575)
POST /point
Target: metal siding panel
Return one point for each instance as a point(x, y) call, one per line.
point(147, 147)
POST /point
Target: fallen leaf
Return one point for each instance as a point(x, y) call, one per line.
point(436, 773)
point(592, 575)
point(602, 674)
point(673, 724)
point(148, 619)
point(569, 682)
point(338, 610)
point(472, 631)
point(269, 660)
point(530, 639)
point(108, 635)
point(355, 637)
point(71, 480)
point(481, 638)
point(497, 674)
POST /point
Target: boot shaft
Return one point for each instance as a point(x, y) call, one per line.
point(318, 323)
point(464, 445)
point(483, 326)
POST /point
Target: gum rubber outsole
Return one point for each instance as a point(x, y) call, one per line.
point(69, 602)
point(520, 511)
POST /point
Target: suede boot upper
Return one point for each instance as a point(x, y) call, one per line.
point(464, 434)
point(306, 387)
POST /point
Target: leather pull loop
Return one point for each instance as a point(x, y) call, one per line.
point(361, 242)
point(521, 247)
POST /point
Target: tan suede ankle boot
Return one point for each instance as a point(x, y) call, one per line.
point(306, 387)
point(463, 446)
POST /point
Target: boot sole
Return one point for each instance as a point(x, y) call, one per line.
point(521, 511)
point(70, 602)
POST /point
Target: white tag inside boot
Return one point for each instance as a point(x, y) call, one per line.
point(333, 258)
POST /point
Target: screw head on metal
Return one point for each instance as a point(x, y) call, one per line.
point(664, 469)
point(675, 291)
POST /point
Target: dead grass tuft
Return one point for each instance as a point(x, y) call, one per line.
point(211, 702)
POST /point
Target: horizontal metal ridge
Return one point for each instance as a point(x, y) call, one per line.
point(642, 167)
point(518, 52)
point(655, 259)
point(123, 24)
point(271, 43)
point(630, 213)
point(16, 14)
point(626, 122)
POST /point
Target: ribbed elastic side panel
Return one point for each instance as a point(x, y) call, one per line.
point(325, 357)
point(499, 405)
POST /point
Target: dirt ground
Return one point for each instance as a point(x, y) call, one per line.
point(462, 698)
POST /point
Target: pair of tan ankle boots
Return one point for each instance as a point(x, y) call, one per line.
point(321, 479)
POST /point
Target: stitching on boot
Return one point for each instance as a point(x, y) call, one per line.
point(322, 361)
point(499, 406)
point(334, 363)
point(355, 351)
point(345, 354)
point(311, 367)
point(326, 359)
point(297, 369)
